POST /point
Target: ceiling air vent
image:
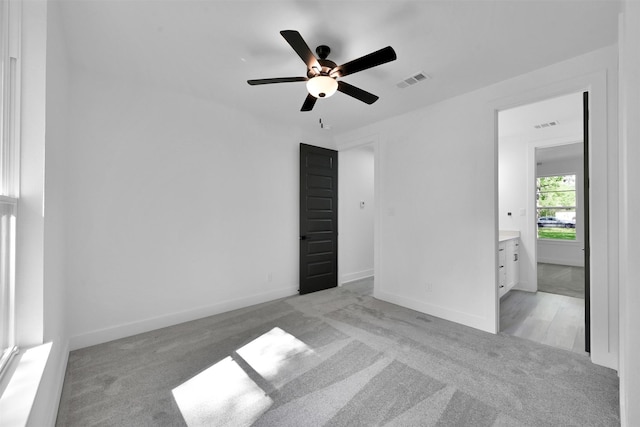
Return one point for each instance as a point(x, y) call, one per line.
point(546, 125)
point(410, 81)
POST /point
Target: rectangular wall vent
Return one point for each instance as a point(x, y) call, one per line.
point(410, 81)
point(546, 125)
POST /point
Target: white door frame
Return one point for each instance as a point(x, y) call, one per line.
point(604, 284)
point(373, 141)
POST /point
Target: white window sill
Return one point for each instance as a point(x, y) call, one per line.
point(20, 385)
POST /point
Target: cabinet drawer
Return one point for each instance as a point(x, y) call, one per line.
point(502, 254)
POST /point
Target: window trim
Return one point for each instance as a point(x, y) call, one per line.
point(10, 84)
point(575, 207)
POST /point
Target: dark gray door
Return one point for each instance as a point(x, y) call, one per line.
point(318, 218)
point(587, 276)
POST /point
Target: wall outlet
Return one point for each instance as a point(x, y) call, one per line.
point(428, 286)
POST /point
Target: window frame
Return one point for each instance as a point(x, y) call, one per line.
point(10, 27)
point(575, 207)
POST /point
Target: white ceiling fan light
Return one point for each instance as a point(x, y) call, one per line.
point(322, 73)
point(322, 86)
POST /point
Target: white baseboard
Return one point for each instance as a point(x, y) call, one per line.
point(476, 322)
point(562, 261)
point(128, 329)
point(358, 275)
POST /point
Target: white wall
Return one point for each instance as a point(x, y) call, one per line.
point(436, 239)
point(630, 206)
point(178, 208)
point(562, 251)
point(513, 187)
point(438, 198)
point(355, 238)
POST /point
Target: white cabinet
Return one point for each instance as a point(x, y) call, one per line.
point(513, 269)
point(508, 265)
point(502, 267)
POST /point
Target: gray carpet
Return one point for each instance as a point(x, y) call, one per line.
point(333, 358)
point(561, 280)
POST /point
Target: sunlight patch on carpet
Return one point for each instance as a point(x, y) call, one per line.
point(222, 395)
point(268, 353)
point(225, 394)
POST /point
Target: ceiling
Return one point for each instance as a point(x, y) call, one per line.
point(530, 122)
point(560, 116)
point(210, 48)
point(559, 152)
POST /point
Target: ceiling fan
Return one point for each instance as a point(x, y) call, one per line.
point(323, 74)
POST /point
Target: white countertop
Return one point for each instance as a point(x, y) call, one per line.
point(504, 235)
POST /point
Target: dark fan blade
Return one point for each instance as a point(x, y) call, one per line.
point(357, 93)
point(378, 57)
point(300, 46)
point(309, 102)
point(277, 80)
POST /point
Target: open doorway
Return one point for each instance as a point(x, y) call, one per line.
point(541, 201)
point(356, 216)
point(560, 219)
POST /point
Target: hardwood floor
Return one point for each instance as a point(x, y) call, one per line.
point(555, 320)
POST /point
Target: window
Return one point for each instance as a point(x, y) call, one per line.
point(9, 161)
point(556, 207)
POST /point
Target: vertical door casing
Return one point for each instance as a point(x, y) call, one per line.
point(587, 250)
